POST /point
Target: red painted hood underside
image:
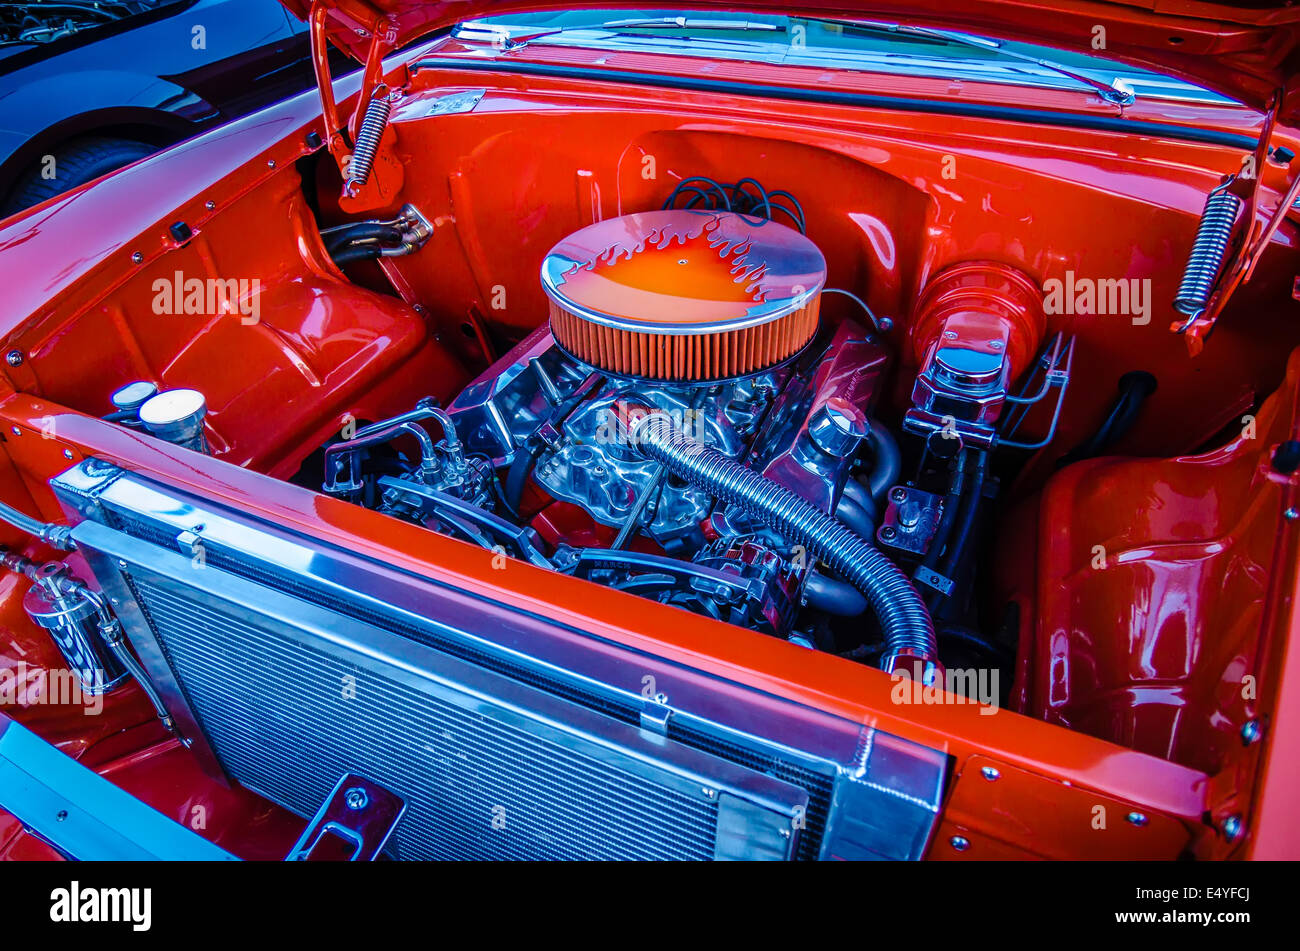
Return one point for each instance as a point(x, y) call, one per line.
point(1246, 49)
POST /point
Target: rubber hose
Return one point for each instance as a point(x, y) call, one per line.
point(356, 252)
point(384, 234)
point(888, 461)
point(855, 517)
point(517, 476)
point(949, 516)
point(834, 597)
point(969, 509)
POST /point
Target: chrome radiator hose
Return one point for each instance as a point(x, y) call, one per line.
point(909, 632)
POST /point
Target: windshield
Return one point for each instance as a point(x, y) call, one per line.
point(859, 45)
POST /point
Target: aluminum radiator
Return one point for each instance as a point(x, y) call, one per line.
point(287, 664)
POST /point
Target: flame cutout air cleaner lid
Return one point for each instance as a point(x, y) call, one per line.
point(684, 295)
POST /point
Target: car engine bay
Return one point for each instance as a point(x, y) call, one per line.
point(714, 451)
point(806, 390)
point(687, 426)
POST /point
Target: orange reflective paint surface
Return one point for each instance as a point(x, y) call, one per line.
point(1129, 680)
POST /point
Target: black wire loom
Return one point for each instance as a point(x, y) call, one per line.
point(745, 197)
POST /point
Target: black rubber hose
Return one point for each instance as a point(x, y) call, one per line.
point(517, 475)
point(966, 523)
point(356, 252)
point(526, 458)
point(856, 517)
point(834, 596)
point(362, 231)
point(949, 516)
point(1134, 388)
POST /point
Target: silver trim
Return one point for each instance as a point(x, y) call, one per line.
point(424, 621)
point(80, 813)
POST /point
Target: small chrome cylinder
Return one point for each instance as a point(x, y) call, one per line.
point(131, 397)
point(177, 417)
point(71, 620)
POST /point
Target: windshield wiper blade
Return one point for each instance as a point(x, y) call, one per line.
point(1110, 92)
point(503, 40)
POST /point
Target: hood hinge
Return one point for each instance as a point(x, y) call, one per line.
point(363, 147)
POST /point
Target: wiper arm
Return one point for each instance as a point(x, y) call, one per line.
point(501, 38)
point(1110, 92)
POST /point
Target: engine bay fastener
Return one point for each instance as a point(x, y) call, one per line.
point(989, 773)
point(1286, 457)
point(1137, 818)
point(959, 842)
point(1251, 732)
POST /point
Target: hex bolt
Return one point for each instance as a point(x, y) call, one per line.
point(356, 798)
point(137, 257)
point(898, 493)
point(888, 532)
point(14, 358)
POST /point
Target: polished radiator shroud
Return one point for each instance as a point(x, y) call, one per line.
point(288, 663)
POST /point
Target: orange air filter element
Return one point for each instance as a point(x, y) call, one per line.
point(684, 296)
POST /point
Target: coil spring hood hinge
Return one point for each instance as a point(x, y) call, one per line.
point(1243, 226)
point(363, 147)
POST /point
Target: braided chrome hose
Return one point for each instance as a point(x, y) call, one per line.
point(368, 136)
point(909, 632)
point(1208, 251)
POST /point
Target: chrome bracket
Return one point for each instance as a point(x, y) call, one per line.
point(361, 813)
point(655, 717)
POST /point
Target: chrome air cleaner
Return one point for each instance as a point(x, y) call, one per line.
point(684, 296)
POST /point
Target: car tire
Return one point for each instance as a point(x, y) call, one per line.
point(75, 163)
